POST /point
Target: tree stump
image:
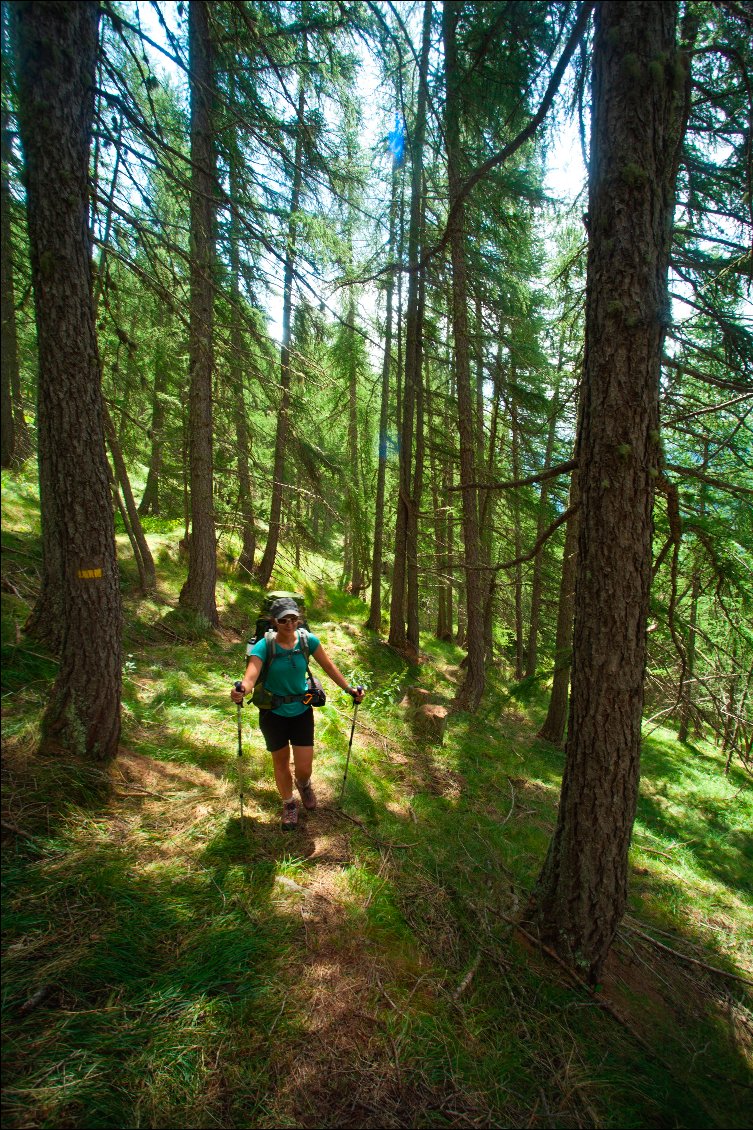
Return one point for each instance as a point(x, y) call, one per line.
point(430, 722)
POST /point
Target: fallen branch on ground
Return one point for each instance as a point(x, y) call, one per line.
point(685, 957)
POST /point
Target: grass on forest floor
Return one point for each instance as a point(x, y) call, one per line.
point(164, 966)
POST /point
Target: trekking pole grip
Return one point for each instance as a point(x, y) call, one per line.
point(239, 687)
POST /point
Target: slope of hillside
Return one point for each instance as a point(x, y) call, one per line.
point(165, 964)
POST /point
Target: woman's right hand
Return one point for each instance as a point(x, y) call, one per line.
point(238, 693)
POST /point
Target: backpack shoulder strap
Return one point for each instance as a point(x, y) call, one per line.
point(269, 639)
point(303, 639)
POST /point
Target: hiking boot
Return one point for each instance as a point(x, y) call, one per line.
point(308, 796)
point(290, 815)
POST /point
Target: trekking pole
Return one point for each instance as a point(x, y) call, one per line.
point(350, 745)
point(239, 687)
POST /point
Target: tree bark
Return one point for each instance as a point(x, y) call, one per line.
point(398, 637)
point(637, 126)
point(264, 572)
point(488, 505)
point(237, 385)
point(150, 501)
point(469, 694)
point(553, 729)
point(57, 48)
point(517, 534)
point(374, 621)
point(198, 592)
point(686, 688)
point(414, 505)
point(142, 552)
point(537, 580)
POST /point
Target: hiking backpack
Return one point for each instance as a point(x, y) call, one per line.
point(264, 621)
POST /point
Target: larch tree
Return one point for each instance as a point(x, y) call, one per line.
point(471, 690)
point(57, 49)
point(198, 593)
point(638, 85)
point(267, 563)
point(375, 608)
point(398, 637)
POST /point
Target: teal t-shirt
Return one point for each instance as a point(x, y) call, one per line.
point(287, 672)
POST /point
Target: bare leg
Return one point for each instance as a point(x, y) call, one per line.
point(283, 776)
point(303, 757)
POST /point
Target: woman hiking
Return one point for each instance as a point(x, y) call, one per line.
point(291, 723)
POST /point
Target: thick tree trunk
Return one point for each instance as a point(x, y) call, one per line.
point(398, 637)
point(637, 125)
point(267, 564)
point(57, 46)
point(469, 694)
point(198, 593)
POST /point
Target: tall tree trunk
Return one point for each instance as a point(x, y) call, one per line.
point(553, 728)
point(537, 581)
point(469, 694)
point(414, 505)
point(374, 621)
point(142, 552)
point(198, 592)
point(355, 558)
point(438, 462)
point(686, 689)
point(267, 564)
point(517, 535)
point(237, 385)
point(637, 127)
point(397, 636)
point(150, 500)
point(16, 443)
point(57, 47)
point(488, 505)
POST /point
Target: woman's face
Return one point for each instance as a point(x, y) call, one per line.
point(287, 622)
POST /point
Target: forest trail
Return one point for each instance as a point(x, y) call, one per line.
point(338, 1035)
point(344, 1068)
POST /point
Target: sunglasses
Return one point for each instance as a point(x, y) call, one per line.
point(287, 620)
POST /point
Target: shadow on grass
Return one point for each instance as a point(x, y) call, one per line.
point(165, 966)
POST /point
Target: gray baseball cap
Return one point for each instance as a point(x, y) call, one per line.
point(285, 606)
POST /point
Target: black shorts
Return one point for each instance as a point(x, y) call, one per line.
point(278, 730)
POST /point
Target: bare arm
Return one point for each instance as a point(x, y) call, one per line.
point(249, 679)
point(330, 669)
